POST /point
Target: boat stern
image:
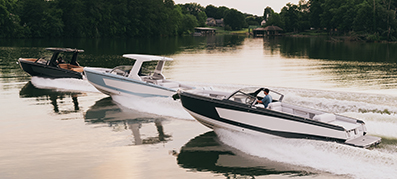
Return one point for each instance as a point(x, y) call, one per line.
point(365, 141)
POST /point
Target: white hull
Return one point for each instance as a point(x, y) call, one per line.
point(118, 85)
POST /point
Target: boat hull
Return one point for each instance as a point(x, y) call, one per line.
point(222, 114)
point(43, 70)
point(112, 84)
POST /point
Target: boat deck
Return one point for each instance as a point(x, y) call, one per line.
point(71, 67)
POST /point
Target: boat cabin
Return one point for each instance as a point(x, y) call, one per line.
point(57, 60)
point(139, 70)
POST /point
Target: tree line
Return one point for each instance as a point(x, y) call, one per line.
point(367, 19)
point(373, 19)
point(93, 18)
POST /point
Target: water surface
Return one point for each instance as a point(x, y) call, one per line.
point(66, 129)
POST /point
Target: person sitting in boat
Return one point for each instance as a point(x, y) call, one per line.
point(60, 60)
point(267, 99)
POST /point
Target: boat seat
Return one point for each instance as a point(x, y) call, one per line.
point(275, 106)
point(326, 117)
point(79, 69)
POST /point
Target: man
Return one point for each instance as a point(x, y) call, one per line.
point(267, 99)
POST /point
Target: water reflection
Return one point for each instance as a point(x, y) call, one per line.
point(323, 48)
point(121, 118)
point(30, 91)
point(206, 153)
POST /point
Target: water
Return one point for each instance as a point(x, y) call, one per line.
point(64, 128)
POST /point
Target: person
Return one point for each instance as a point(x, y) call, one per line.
point(267, 99)
point(60, 60)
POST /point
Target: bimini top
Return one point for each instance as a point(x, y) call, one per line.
point(64, 50)
point(145, 58)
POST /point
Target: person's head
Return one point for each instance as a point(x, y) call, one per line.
point(266, 91)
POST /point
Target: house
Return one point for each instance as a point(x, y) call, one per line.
point(219, 22)
point(273, 30)
point(214, 22)
point(267, 31)
point(210, 22)
point(263, 22)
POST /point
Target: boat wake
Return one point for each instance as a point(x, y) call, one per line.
point(323, 156)
point(63, 84)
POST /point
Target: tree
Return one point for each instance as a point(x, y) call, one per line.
point(363, 20)
point(40, 19)
point(268, 11)
point(189, 22)
point(211, 11)
point(9, 21)
point(235, 19)
point(289, 14)
point(275, 19)
point(73, 17)
point(196, 10)
point(315, 11)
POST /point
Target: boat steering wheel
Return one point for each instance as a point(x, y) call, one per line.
point(250, 100)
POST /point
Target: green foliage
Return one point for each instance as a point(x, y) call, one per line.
point(373, 19)
point(9, 20)
point(97, 18)
point(196, 10)
point(340, 17)
point(235, 19)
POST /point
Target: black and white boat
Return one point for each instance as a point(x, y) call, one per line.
point(56, 67)
point(239, 111)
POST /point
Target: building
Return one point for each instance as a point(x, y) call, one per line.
point(214, 22)
point(267, 31)
point(200, 31)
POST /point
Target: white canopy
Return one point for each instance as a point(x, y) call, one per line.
point(145, 58)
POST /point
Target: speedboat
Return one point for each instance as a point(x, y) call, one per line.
point(56, 67)
point(144, 78)
point(239, 111)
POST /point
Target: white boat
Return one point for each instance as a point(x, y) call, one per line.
point(135, 80)
point(239, 111)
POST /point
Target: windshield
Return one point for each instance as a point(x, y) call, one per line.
point(121, 70)
point(242, 97)
point(147, 68)
point(249, 95)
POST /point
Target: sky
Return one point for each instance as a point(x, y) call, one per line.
point(254, 7)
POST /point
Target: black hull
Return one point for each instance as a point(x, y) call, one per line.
point(207, 107)
point(46, 71)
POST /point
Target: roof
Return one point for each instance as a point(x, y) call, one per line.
point(64, 50)
point(205, 28)
point(144, 58)
point(259, 29)
point(272, 27)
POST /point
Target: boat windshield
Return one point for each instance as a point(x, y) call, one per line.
point(121, 70)
point(242, 97)
point(258, 93)
point(147, 68)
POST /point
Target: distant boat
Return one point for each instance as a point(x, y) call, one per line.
point(56, 67)
point(239, 111)
point(136, 80)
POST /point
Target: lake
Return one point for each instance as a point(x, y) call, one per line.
point(65, 128)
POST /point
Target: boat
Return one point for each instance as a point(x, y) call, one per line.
point(239, 111)
point(144, 78)
point(56, 67)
